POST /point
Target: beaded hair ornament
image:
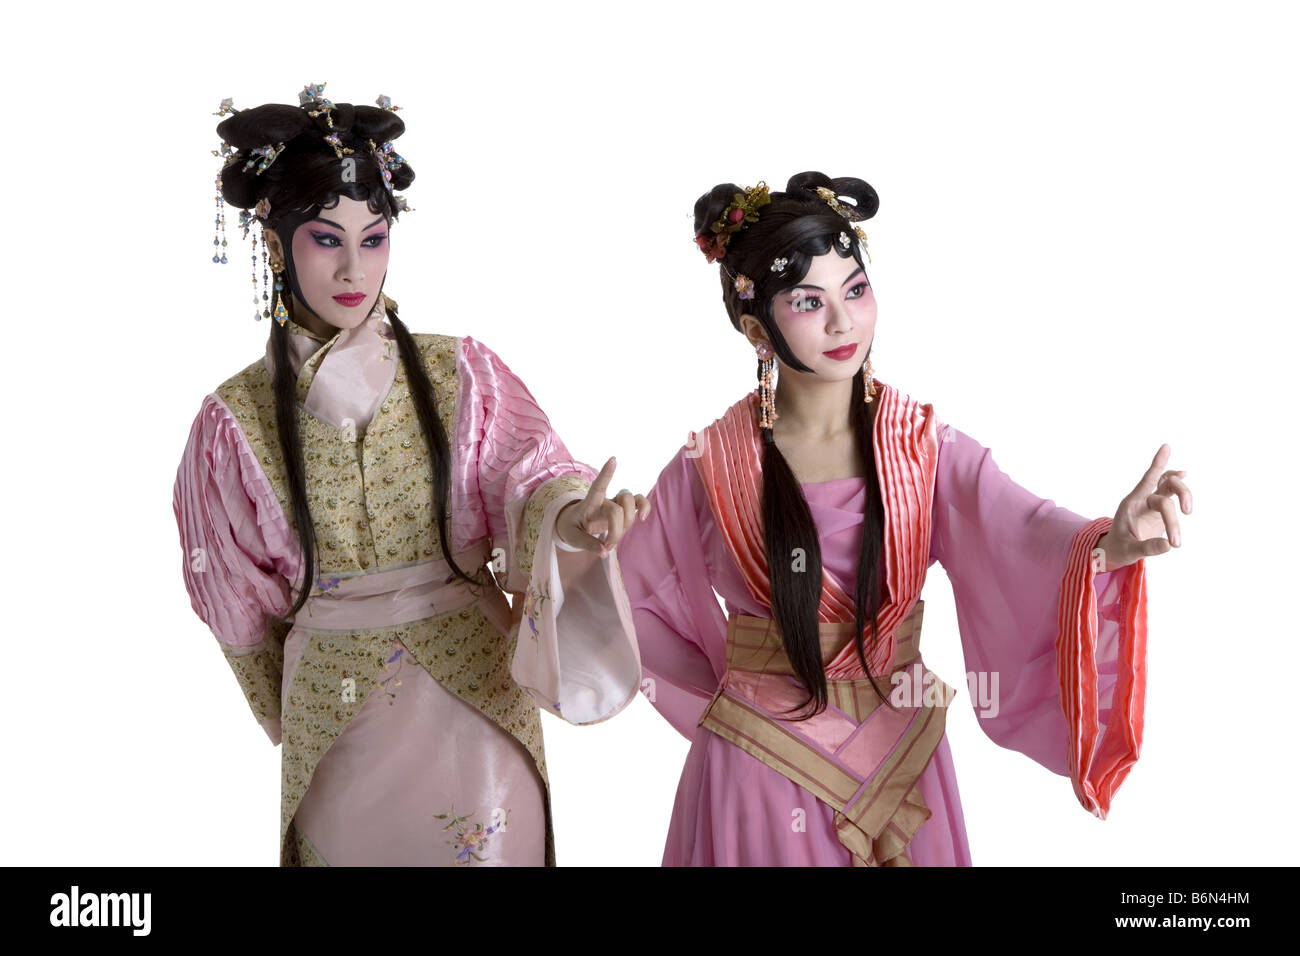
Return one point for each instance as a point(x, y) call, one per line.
point(259, 158)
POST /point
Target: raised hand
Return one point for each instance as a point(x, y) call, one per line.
point(597, 523)
point(1145, 514)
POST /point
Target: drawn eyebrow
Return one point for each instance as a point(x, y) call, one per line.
point(330, 222)
point(852, 275)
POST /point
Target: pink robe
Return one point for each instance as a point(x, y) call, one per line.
point(1005, 551)
point(419, 776)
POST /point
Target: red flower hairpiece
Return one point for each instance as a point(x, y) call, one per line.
point(740, 212)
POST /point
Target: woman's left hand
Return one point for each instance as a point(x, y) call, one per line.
point(1146, 512)
point(597, 523)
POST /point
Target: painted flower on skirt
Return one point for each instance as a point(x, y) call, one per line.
point(534, 601)
point(393, 678)
point(471, 837)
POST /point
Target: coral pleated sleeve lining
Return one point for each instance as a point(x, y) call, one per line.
point(1097, 768)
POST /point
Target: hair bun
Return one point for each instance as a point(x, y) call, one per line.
point(272, 123)
point(371, 122)
point(342, 117)
point(259, 125)
point(710, 206)
point(865, 202)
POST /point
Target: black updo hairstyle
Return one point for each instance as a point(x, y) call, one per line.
point(302, 180)
point(799, 225)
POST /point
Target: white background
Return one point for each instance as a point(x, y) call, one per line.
point(1086, 246)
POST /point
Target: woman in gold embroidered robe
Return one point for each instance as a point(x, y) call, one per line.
point(752, 513)
point(404, 693)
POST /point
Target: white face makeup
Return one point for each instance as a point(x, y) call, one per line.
point(829, 319)
point(340, 258)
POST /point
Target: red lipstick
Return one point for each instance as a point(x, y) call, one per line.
point(350, 300)
point(843, 353)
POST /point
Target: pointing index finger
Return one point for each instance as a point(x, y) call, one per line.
point(596, 494)
point(1152, 476)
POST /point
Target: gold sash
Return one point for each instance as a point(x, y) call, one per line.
point(861, 758)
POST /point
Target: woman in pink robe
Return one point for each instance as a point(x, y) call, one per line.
point(1059, 643)
point(408, 698)
point(734, 810)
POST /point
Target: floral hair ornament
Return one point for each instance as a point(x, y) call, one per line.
point(269, 153)
point(779, 263)
point(388, 160)
point(744, 286)
point(261, 211)
point(741, 211)
point(848, 212)
point(311, 100)
point(339, 149)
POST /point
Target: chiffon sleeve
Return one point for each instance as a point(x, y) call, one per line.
point(575, 648)
point(1055, 647)
point(676, 611)
point(236, 549)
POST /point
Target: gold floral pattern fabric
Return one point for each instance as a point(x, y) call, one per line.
point(369, 491)
point(541, 499)
point(307, 854)
point(260, 670)
point(333, 678)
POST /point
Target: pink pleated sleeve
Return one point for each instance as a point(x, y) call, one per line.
point(237, 550)
point(669, 583)
point(1060, 648)
point(575, 651)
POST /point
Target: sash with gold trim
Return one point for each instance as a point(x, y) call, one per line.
point(858, 756)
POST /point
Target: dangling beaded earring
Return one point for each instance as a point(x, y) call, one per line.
point(868, 382)
point(766, 392)
point(281, 313)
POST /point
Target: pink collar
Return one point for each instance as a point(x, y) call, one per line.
point(342, 380)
